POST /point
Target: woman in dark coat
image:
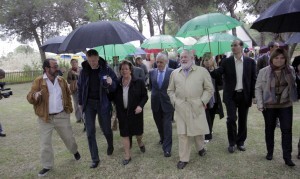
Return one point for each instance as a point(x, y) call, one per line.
point(215, 104)
point(130, 98)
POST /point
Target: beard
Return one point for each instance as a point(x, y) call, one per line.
point(186, 65)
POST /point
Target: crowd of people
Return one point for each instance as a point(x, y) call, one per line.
point(186, 92)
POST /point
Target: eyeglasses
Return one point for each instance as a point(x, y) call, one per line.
point(55, 67)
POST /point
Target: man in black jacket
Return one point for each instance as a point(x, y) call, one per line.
point(239, 74)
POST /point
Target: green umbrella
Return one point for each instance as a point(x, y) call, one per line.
point(207, 24)
point(220, 43)
point(121, 50)
point(161, 42)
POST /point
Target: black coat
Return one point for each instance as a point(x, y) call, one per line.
point(227, 69)
point(130, 123)
point(217, 84)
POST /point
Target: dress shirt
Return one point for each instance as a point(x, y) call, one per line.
point(239, 72)
point(163, 75)
point(55, 96)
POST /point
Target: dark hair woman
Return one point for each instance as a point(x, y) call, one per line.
point(130, 98)
point(275, 91)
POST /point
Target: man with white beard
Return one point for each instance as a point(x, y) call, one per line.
point(190, 89)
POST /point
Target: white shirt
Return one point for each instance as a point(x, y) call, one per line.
point(55, 96)
point(125, 95)
point(239, 72)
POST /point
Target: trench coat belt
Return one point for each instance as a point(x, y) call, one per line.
point(188, 100)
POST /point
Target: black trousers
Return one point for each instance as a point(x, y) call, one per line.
point(210, 116)
point(285, 116)
point(237, 134)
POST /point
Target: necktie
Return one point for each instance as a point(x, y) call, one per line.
point(160, 79)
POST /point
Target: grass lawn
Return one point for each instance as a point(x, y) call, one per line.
point(20, 150)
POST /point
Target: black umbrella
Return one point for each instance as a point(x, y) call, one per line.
point(283, 16)
point(99, 33)
point(52, 44)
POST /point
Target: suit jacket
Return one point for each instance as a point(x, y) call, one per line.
point(262, 62)
point(227, 69)
point(159, 96)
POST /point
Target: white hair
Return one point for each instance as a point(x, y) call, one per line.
point(162, 56)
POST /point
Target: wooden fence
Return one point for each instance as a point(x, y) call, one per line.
point(20, 76)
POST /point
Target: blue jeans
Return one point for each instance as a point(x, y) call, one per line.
point(93, 107)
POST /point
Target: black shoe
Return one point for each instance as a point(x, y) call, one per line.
point(126, 161)
point(298, 155)
point(181, 165)
point(2, 135)
point(77, 156)
point(202, 152)
point(289, 162)
point(231, 149)
point(269, 156)
point(143, 149)
point(167, 154)
point(241, 148)
point(94, 164)
point(43, 172)
point(110, 150)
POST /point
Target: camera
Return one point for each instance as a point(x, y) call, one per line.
point(4, 92)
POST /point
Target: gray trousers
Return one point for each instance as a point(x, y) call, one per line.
point(61, 123)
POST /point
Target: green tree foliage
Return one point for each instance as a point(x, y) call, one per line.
point(24, 49)
point(104, 10)
point(29, 20)
point(71, 12)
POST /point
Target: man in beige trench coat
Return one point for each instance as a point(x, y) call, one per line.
point(190, 89)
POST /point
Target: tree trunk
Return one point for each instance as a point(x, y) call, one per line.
point(150, 19)
point(163, 26)
point(232, 14)
point(262, 39)
point(291, 50)
point(38, 42)
point(140, 19)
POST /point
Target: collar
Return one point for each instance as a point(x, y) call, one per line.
point(46, 77)
point(242, 58)
point(164, 70)
point(192, 68)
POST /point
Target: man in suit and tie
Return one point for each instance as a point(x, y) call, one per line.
point(161, 106)
point(239, 74)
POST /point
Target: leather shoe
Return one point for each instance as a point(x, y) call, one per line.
point(167, 154)
point(77, 156)
point(110, 150)
point(289, 162)
point(181, 165)
point(143, 149)
point(2, 135)
point(202, 152)
point(241, 148)
point(231, 149)
point(126, 161)
point(269, 156)
point(94, 164)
